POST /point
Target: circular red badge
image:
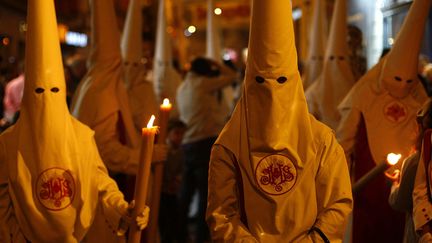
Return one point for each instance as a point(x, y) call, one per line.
point(395, 112)
point(55, 188)
point(276, 174)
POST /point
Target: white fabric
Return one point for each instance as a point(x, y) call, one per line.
point(390, 122)
point(283, 154)
point(317, 43)
point(199, 106)
point(213, 51)
point(142, 98)
point(400, 70)
point(52, 178)
point(166, 78)
point(336, 79)
point(101, 100)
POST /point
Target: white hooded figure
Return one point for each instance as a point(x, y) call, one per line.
point(336, 79)
point(389, 95)
point(101, 100)
point(166, 78)
point(276, 174)
point(214, 52)
point(142, 98)
point(318, 42)
point(378, 117)
point(52, 180)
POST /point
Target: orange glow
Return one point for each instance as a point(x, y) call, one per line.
point(392, 158)
point(6, 41)
point(166, 104)
point(151, 121)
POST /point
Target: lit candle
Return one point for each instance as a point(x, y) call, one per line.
point(392, 159)
point(142, 178)
point(152, 229)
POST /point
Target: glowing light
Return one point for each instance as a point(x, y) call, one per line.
point(76, 39)
point(166, 104)
point(151, 121)
point(218, 11)
point(191, 29)
point(392, 158)
point(6, 41)
point(390, 41)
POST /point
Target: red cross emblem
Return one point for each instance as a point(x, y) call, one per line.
point(395, 112)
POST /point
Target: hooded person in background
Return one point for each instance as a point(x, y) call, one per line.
point(52, 180)
point(276, 174)
point(142, 98)
point(318, 42)
point(214, 52)
point(101, 100)
point(378, 117)
point(166, 77)
point(336, 79)
point(200, 110)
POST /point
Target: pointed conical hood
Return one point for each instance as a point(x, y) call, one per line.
point(399, 75)
point(102, 91)
point(213, 51)
point(163, 47)
point(337, 78)
point(270, 126)
point(213, 47)
point(141, 94)
point(272, 82)
point(317, 43)
point(131, 43)
point(45, 151)
point(273, 108)
point(104, 27)
point(44, 99)
point(166, 77)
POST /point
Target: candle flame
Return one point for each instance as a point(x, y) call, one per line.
point(151, 121)
point(392, 158)
point(166, 102)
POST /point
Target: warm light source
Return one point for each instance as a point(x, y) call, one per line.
point(218, 11)
point(166, 103)
point(392, 158)
point(151, 121)
point(6, 41)
point(191, 29)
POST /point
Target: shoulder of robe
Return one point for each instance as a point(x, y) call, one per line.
point(82, 131)
point(419, 94)
point(320, 131)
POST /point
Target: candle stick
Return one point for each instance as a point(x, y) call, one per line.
point(392, 159)
point(142, 178)
point(152, 232)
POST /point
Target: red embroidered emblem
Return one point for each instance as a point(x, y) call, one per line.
point(55, 188)
point(395, 112)
point(276, 174)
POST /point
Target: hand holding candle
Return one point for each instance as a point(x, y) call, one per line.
point(152, 234)
point(380, 168)
point(141, 184)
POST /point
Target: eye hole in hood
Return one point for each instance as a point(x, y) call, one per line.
point(281, 80)
point(259, 79)
point(39, 90)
